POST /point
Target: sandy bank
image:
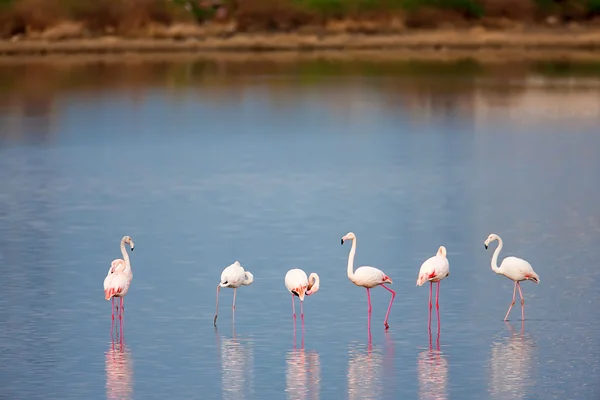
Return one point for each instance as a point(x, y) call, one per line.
point(472, 43)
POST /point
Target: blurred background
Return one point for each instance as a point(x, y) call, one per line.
point(62, 19)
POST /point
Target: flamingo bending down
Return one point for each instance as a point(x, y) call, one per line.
point(368, 277)
point(434, 269)
point(233, 276)
point(118, 279)
point(299, 285)
point(515, 269)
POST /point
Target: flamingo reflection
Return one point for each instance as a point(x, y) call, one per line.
point(237, 367)
point(119, 372)
point(365, 369)
point(511, 365)
point(432, 371)
point(303, 374)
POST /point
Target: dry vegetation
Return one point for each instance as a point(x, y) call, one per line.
point(67, 19)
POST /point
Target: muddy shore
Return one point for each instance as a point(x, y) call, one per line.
point(473, 42)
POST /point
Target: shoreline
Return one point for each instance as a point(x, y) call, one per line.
point(471, 43)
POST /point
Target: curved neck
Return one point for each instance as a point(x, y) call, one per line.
point(495, 256)
point(248, 278)
point(313, 280)
point(125, 257)
point(351, 260)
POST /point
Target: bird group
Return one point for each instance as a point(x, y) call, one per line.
point(433, 270)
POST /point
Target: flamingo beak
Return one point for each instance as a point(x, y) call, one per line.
point(342, 240)
point(485, 245)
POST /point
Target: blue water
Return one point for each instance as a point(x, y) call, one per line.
point(272, 166)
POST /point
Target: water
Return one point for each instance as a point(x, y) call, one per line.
point(271, 162)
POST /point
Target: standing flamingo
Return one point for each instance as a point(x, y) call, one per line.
point(368, 277)
point(515, 269)
point(118, 279)
point(233, 276)
point(434, 269)
point(299, 285)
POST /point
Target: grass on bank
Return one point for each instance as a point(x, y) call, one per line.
point(94, 17)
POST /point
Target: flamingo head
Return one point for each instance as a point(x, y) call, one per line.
point(248, 278)
point(348, 236)
point(421, 279)
point(490, 239)
point(129, 241)
point(441, 251)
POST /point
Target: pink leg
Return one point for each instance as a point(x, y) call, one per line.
point(302, 311)
point(513, 302)
point(437, 306)
point(430, 306)
point(234, 293)
point(522, 302)
point(389, 307)
point(293, 309)
point(122, 315)
point(369, 310)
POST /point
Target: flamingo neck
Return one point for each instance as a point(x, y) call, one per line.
point(495, 267)
point(351, 260)
point(125, 257)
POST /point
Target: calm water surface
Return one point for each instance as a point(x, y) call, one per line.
point(271, 163)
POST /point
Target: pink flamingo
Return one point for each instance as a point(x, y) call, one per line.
point(118, 279)
point(368, 277)
point(515, 269)
point(233, 277)
point(299, 285)
point(434, 269)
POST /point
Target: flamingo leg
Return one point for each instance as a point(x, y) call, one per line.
point(293, 310)
point(234, 293)
point(437, 306)
point(430, 306)
point(217, 309)
point(513, 302)
point(522, 302)
point(122, 314)
point(369, 310)
point(302, 311)
point(389, 307)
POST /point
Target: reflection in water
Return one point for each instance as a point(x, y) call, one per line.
point(365, 380)
point(432, 372)
point(510, 365)
point(237, 367)
point(119, 372)
point(303, 374)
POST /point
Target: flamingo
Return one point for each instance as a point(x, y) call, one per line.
point(434, 269)
point(118, 279)
point(233, 276)
point(514, 268)
point(299, 285)
point(368, 277)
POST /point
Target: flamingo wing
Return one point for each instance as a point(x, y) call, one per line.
point(518, 269)
point(296, 281)
point(433, 269)
point(233, 275)
point(370, 276)
point(116, 284)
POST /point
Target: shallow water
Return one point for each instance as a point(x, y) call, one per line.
point(271, 163)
